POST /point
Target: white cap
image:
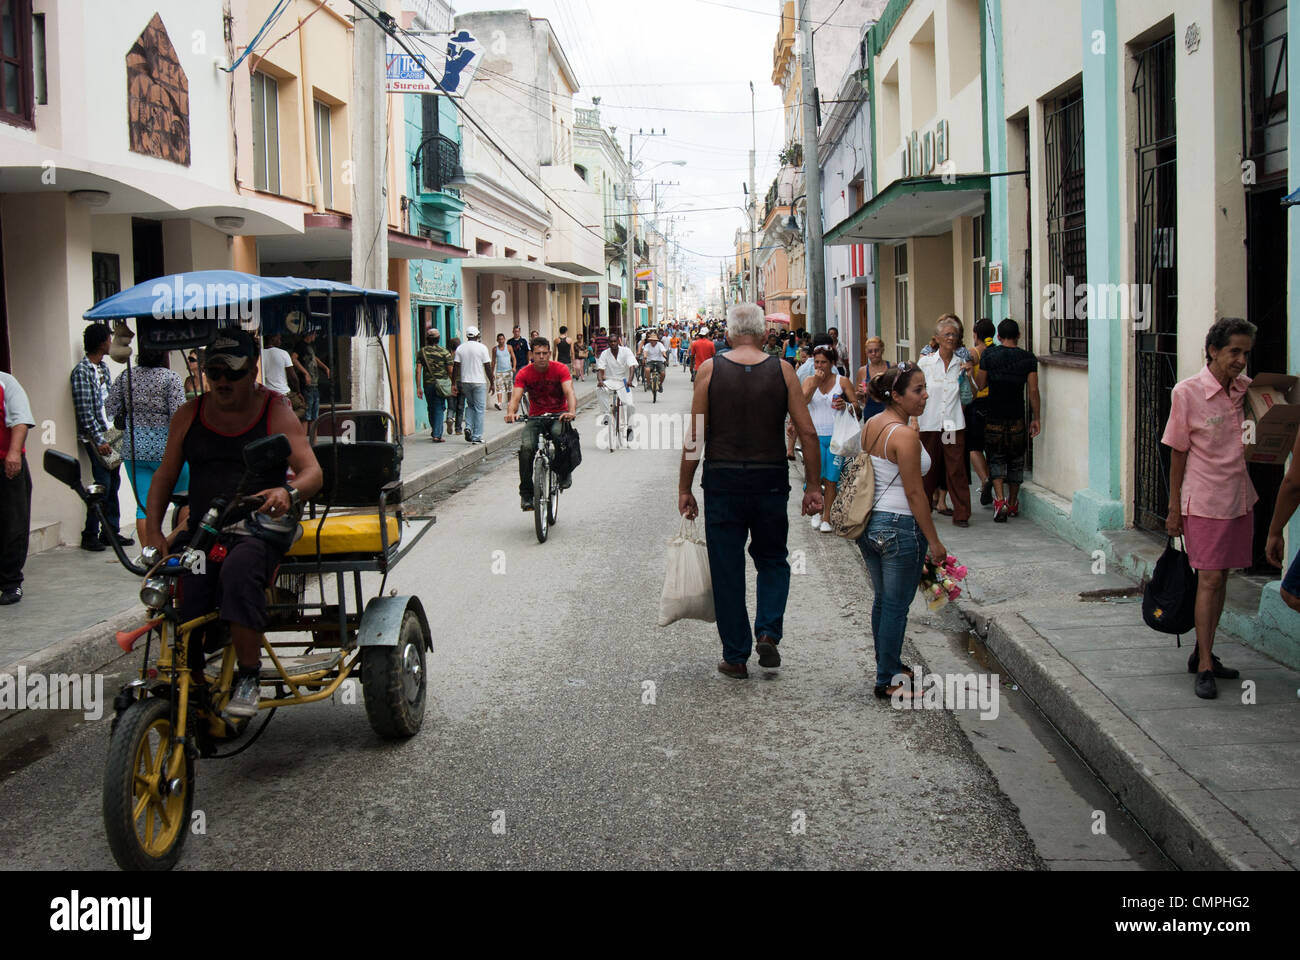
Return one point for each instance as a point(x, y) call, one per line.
point(471, 332)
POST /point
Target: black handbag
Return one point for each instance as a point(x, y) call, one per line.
point(568, 452)
point(1169, 602)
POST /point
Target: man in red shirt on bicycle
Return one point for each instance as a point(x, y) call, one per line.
point(550, 390)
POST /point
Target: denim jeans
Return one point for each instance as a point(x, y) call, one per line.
point(475, 405)
point(740, 505)
point(437, 409)
point(528, 450)
point(112, 483)
point(312, 396)
point(894, 551)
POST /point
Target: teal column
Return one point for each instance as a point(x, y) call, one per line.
point(995, 150)
point(1099, 507)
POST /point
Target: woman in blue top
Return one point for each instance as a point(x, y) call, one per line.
point(504, 369)
point(876, 365)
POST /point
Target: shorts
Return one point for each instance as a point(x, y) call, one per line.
point(831, 464)
point(140, 473)
point(1215, 544)
point(1005, 445)
point(236, 586)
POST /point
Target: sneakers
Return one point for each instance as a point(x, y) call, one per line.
point(526, 504)
point(1013, 509)
point(1206, 688)
point(567, 482)
point(768, 655)
point(999, 511)
point(986, 493)
point(244, 699)
point(825, 527)
point(12, 595)
point(107, 539)
point(468, 436)
point(1220, 671)
point(815, 521)
point(92, 544)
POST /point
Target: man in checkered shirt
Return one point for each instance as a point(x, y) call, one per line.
point(90, 383)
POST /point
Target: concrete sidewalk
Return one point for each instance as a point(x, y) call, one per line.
point(1215, 782)
point(74, 602)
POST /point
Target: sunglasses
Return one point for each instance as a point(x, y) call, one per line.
point(217, 374)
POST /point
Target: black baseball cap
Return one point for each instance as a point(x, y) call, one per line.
point(233, 348)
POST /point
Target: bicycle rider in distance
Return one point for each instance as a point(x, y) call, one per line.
point(549, 386)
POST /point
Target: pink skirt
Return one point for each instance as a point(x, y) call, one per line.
point(1214, 544)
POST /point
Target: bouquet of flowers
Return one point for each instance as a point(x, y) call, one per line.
point(939, 582)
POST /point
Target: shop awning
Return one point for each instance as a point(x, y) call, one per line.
point(917, 207)
point(328, 236)
point(778, 318)
point(527, 270)
point(784, 295)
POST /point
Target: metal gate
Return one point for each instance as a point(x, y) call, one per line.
point(1156, 270)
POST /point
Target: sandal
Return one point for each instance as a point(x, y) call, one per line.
point(945, 513)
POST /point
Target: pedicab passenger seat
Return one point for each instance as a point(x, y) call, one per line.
point(362, 480)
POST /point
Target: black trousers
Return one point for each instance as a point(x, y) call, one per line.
point(15, 525)
point(528, 450)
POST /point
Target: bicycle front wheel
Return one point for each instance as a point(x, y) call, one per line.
point(541, 499)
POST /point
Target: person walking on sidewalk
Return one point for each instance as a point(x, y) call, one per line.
point(826, 392)
point(876, 365)
point(1211, 498)
point(434, 383)
point(1288, 499)
point(977, 413)
point(942, 423)
point(15, 488)
point(1007, 371)
point(456, 402)
point(740, 404)
point(471, 374)
point(147, 397)
point(521, 349)
point(90, 382)
point(504, 358)
point(901, 528)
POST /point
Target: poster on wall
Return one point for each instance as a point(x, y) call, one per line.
point(995, 278)
point(451, 58)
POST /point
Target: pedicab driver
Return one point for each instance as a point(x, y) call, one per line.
point(549, 386)
point(210, 433)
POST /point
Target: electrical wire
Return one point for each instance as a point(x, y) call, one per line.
point(276, 12)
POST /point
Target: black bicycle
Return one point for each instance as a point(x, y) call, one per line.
point(655, 379)
point(546, 484)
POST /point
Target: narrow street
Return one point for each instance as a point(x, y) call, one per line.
point(538, 723)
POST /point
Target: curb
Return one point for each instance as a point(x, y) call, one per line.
point(1194, 829)
point(94, 648)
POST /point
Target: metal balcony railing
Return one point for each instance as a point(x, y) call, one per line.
point(436, 160)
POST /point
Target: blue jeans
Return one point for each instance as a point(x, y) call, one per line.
point(437, 409)
point(894, 551)
point(312, 396)
point(112, 483)
point(742, 505)
point(475, 405)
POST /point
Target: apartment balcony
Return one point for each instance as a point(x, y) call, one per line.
point(436, 162)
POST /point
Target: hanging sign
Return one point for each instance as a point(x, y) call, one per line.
point(453, 64)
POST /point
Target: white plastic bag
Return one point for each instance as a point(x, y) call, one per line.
point(846, 434)
point(688, 586)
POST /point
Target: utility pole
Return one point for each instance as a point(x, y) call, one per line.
point(369, 209)
point(814, 248)
point(753, 198)
point(631, 244)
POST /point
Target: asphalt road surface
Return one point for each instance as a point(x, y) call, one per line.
point(543, 745)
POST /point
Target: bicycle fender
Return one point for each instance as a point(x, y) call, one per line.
point(381, 624)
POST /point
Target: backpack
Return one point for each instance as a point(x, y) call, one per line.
point(1169, 601)
point(568, 453)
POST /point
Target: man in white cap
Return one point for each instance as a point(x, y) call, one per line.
point(471, 374)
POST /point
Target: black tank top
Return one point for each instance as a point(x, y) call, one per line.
point(747, 408)
point(217, 462)
point(563, 351)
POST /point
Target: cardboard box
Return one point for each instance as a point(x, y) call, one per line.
point(1273, 409)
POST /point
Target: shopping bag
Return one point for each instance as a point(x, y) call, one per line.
point(846, 434)
point(688, 585)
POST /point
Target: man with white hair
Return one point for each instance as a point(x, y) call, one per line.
point(741, 401)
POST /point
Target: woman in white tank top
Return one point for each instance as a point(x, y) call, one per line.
point(900, 531)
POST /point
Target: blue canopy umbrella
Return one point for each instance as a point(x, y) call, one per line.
point(1291, 200)
point(184, 308)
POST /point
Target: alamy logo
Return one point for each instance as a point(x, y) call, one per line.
point(75, 913)
point(55, 691)
point(179, 300)
point(950, 691)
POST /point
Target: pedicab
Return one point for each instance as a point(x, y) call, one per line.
point(317, 641)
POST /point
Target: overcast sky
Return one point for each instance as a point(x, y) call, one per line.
point(684, 66)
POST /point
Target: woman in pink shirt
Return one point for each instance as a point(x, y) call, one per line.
point(1211, 498)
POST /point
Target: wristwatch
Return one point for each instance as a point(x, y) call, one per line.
point(295, 496)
